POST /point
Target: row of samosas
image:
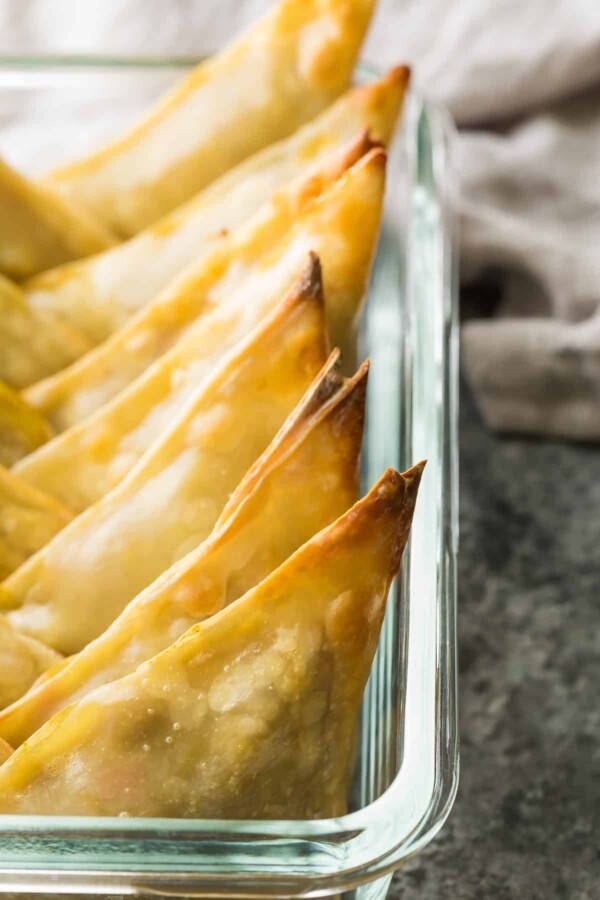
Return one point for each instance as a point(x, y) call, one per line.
point(192, 591)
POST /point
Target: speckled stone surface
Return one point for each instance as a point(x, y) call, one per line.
point(529, 618)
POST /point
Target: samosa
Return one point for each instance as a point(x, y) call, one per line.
point(310, 469)
point(336, 215)
point(85, 462)
point(283, 71)
point(252, 713)
point(69, 592)
point(100, 294)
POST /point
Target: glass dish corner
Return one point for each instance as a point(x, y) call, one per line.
point(408, 758)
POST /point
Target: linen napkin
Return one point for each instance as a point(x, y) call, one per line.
point(522, 80)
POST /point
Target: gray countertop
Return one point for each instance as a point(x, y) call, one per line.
point(529, 591)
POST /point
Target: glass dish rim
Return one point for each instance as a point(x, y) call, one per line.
point(437, 123)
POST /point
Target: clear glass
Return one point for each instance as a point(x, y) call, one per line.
point(408, 762)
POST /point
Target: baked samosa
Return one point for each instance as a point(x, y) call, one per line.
point(39, 229)
point(337, 217)
point(252, 713)
point(310, 468)
point(22, 428)
point(28, 520)
point(69, 592)
point(100, 294)
point(32, 344)
point(22, 661)
point(283, 71)
point(85, 462)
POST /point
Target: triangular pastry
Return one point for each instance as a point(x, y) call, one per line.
point(252, 713)
point(284, 70)
point(336, 217)
point(310, 468)
point(70, 591)
point(102, 293)
point(85, 462)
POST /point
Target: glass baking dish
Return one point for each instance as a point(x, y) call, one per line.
point(407, 769)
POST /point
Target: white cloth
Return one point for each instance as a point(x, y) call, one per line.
point(522, 79)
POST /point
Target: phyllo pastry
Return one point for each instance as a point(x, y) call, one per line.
point(22, 428)
point(40, 229)
point(252, 713)
point(283, 71)
point(69, 592)
point(115, 284)
point(336, 214)
point(22, 661)
point(305, 479)
point(28, 520)
point(87, 461)
point(32, 344)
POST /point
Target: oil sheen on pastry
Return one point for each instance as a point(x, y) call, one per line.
point(98, 295)
point(252, 713)
point(336, 215)
point(310, 467)
point(69, 592)
point(283, 71)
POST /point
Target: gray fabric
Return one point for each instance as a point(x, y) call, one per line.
point(522, 79)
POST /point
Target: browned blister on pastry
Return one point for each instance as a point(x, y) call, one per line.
point(252, 713)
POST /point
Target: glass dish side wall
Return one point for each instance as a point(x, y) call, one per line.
point(406, 774)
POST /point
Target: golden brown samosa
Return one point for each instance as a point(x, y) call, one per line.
point(337, 217)
point(22, 661)
point(32, 344)
point(252, 713)
point(283, 71)
point(28, 520)
point(39, 229)
point(303, 481)
point(22, 428)
point(85, 462)
point(69, 592)
point(100, 294)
